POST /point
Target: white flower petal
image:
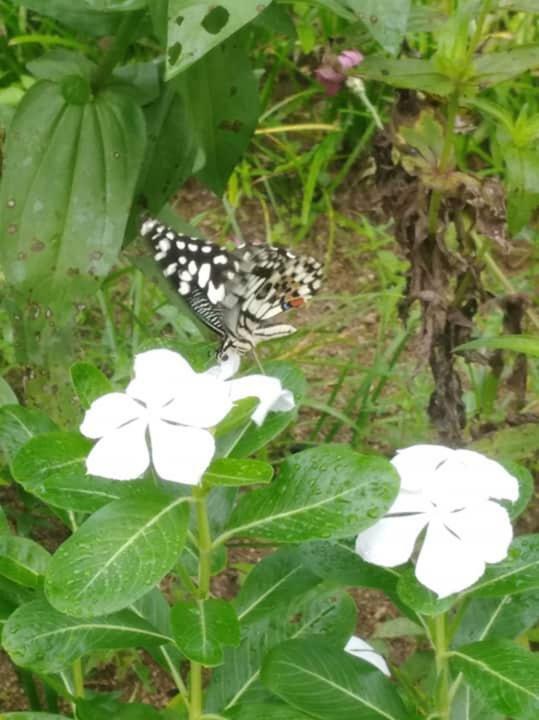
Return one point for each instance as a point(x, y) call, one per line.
point(180, 454)
point(390, 541)
point(203, 403)
point(226, 369)
point(410, 502)
point(121, 454)
point(499, 484)
point(108, 413)
point(485, 528)
point(160, 376)
point(362, 650)
point(446, 565)
point(268, 389)
point(416, 464)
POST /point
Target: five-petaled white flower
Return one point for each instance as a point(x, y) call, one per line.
point(176, 407)
point(452, 494)
point(362, 650)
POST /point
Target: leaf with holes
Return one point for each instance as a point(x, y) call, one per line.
point(52, 466)
point(329, 491)
point(118, 555)
point(195, 27)
point(221, 93)
point(202, 627)
point(38, 637)
point(505, 675)
point(317, 678)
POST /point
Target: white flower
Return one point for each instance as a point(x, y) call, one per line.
point(176, 407)
point(452, 494)
point(362, 650)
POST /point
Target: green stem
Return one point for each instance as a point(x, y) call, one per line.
point(30, 690)
point(204, 543)
point(117, 50)
point(445, 157)
point(442, 668)
point(195, 685)
point(78, 678)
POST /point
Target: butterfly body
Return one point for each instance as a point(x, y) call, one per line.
point(235, 293)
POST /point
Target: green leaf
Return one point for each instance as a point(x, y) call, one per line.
point(139, 80)
point(116, 5)
point(416, 596)
point(38, 637)
point(202, 628)
point(221, 92)
point(80, 17)
point(93, 151)
point(107, 706)
point(332, 615)
point(256, 711)
point(52, 466)
point(407, 73)
point(505, 675)
point(526, 488)
point(7, 396)
point(274, 583)
point(256, 437)
point(194, 28)
point(471, 706)
point(171, 152)
point(22, 560)
point(89, 382)
point(507, 616)
point(516, 443)
point(329, 491)
point(236, 472)
point(32, 716)
point(386, 20)
point(526, 344)
point(117, 555)
point(14, 594)
point(518, 573)
point(495, 67)
point(317, 678)
point(61, 63)
point(19, 424)
point(4, 524)
point(237, 418)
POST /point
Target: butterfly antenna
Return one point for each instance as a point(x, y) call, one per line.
point(257, 360)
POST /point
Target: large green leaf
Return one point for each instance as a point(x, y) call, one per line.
point(202, 628)
point(324, 681)
point(18, 425)
point(89, 382)
point(505, 675)
point(385, 19)
point(410, 73)
point(503, 617)
point(22, 560)
point(38, 637)
point(275, 711)
point(495, 67)
point(329, 491)
point(221, 92)
point(332, 615)
point(107, 706)
point(519, 572)
point(72, 163)
point(52, 466)
point(527, 344)
point(235, 472)
point(116, 5)
point(119, 553)
point(7, 396)
point(79, 16)
point(195, 27)
point(418, 597)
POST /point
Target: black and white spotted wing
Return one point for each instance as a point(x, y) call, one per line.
point(234, 293)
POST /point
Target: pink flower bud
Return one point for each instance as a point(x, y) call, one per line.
point(349, 59)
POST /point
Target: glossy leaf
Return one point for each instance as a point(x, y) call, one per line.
point(507, 616)
point(324, 681)
point(386, 20)
point(256, 711)
point(418, 597)
point(38, 637)
point(332, 615)
point(519, 572)
point(18, 424)
point(117, 556)
point(273, 584)
point(325, 492)
point(89, 382)
point(526, 344)
point(68, 230)
point(505, 675)
point(52, 466)
point(221, 92)
point(194, 28)
point(22, 560)
point(107, 706)
point(236, 472)
point(202, 628)
point(471, 706)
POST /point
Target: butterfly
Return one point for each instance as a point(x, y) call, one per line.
point(235, 293)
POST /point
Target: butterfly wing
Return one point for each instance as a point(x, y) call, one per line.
point(198, 269)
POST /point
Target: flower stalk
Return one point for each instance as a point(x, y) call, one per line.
point(439, 634)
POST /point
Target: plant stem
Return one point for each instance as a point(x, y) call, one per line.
point(195, 685)
point(116, 51)
point(204, 543)
point(445, 157)
point(78, 678)
point(30, 690)
point(442, 669)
